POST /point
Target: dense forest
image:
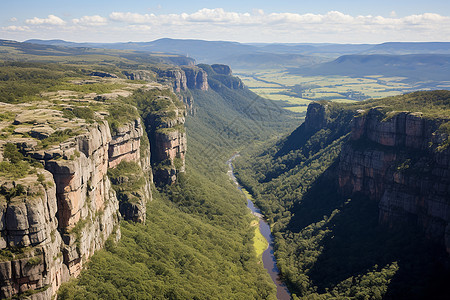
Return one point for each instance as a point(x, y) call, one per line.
point(328, 245)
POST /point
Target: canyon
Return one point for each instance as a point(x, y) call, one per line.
point(71, 199)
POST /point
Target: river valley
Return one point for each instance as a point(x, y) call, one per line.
point(268, 257)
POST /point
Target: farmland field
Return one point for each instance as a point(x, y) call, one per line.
point(296, 91)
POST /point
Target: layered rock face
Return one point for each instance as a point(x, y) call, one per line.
point(167, 137)
point(196, 78)
point(29, 222)
point(125, 145)
point(182, 79)
point(400, 161)
point(221, 75)
point(62, 215)
point(178, 77)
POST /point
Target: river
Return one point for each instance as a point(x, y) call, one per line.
point(269, 260)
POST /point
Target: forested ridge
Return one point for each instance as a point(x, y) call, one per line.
point(328, 245)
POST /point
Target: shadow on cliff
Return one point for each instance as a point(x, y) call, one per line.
point(357, 244)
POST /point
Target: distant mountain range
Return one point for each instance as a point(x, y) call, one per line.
point(56, 50)
point(418, 62)
point(417, 67)
point(233, 53)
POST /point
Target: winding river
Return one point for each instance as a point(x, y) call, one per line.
point(269, 260)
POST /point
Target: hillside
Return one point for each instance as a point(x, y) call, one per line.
point(414, 67)
point(62, 52)
point(352, 197)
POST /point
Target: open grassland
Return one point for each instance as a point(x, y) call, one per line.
point(295, 91)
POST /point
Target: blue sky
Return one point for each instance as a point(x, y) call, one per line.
point(344, 21)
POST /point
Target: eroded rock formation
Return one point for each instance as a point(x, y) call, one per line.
point(53, 221)
point(399, 160)
point(167, 137)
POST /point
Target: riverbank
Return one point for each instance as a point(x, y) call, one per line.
point(267, 256)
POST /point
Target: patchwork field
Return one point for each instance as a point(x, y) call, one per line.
point(295, 91)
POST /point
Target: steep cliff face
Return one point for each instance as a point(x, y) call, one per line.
point(129, 143)
point(196, 78)
point(182, 79)
point(221, 75)
point(28, 222)
point(400, 161)
point(54, 218)
point(167, 137)
point(316, 117)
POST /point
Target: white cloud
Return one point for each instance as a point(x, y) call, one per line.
point(254, 26)
point(140, 27)
point(13, 19)
point(129, 17)
point(91, 21)
point(218, 16)
point(50, 20)
point(16, 28)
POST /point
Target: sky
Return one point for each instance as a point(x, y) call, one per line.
point(298, 21)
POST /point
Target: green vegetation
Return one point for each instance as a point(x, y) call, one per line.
point(119, 114)
point(259, 241)
point(175, 255)
point(328, 246)
point(88, 87)
point(294, 92)
point(13, 167)
point(84, 113)
point(57, 137)
point(434, 104)
point(34, 261)
point(127, 179)
point(21, 82)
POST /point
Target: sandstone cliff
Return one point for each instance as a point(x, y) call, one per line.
point(400, 160)
point(130, 144)
point(221, 75)
point(56, 214)
point(76, 162)
point(182, 79)
point(167, 137)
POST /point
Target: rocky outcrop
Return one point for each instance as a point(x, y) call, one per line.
point(400, 161)
point(167, 137)
point(54, 220)
point(222, 69)
point(126, 146)
point(140, 75)
point(28, 222)
point(316, 117)
point(196, 78)
point(177, 76)
point(221, 75)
